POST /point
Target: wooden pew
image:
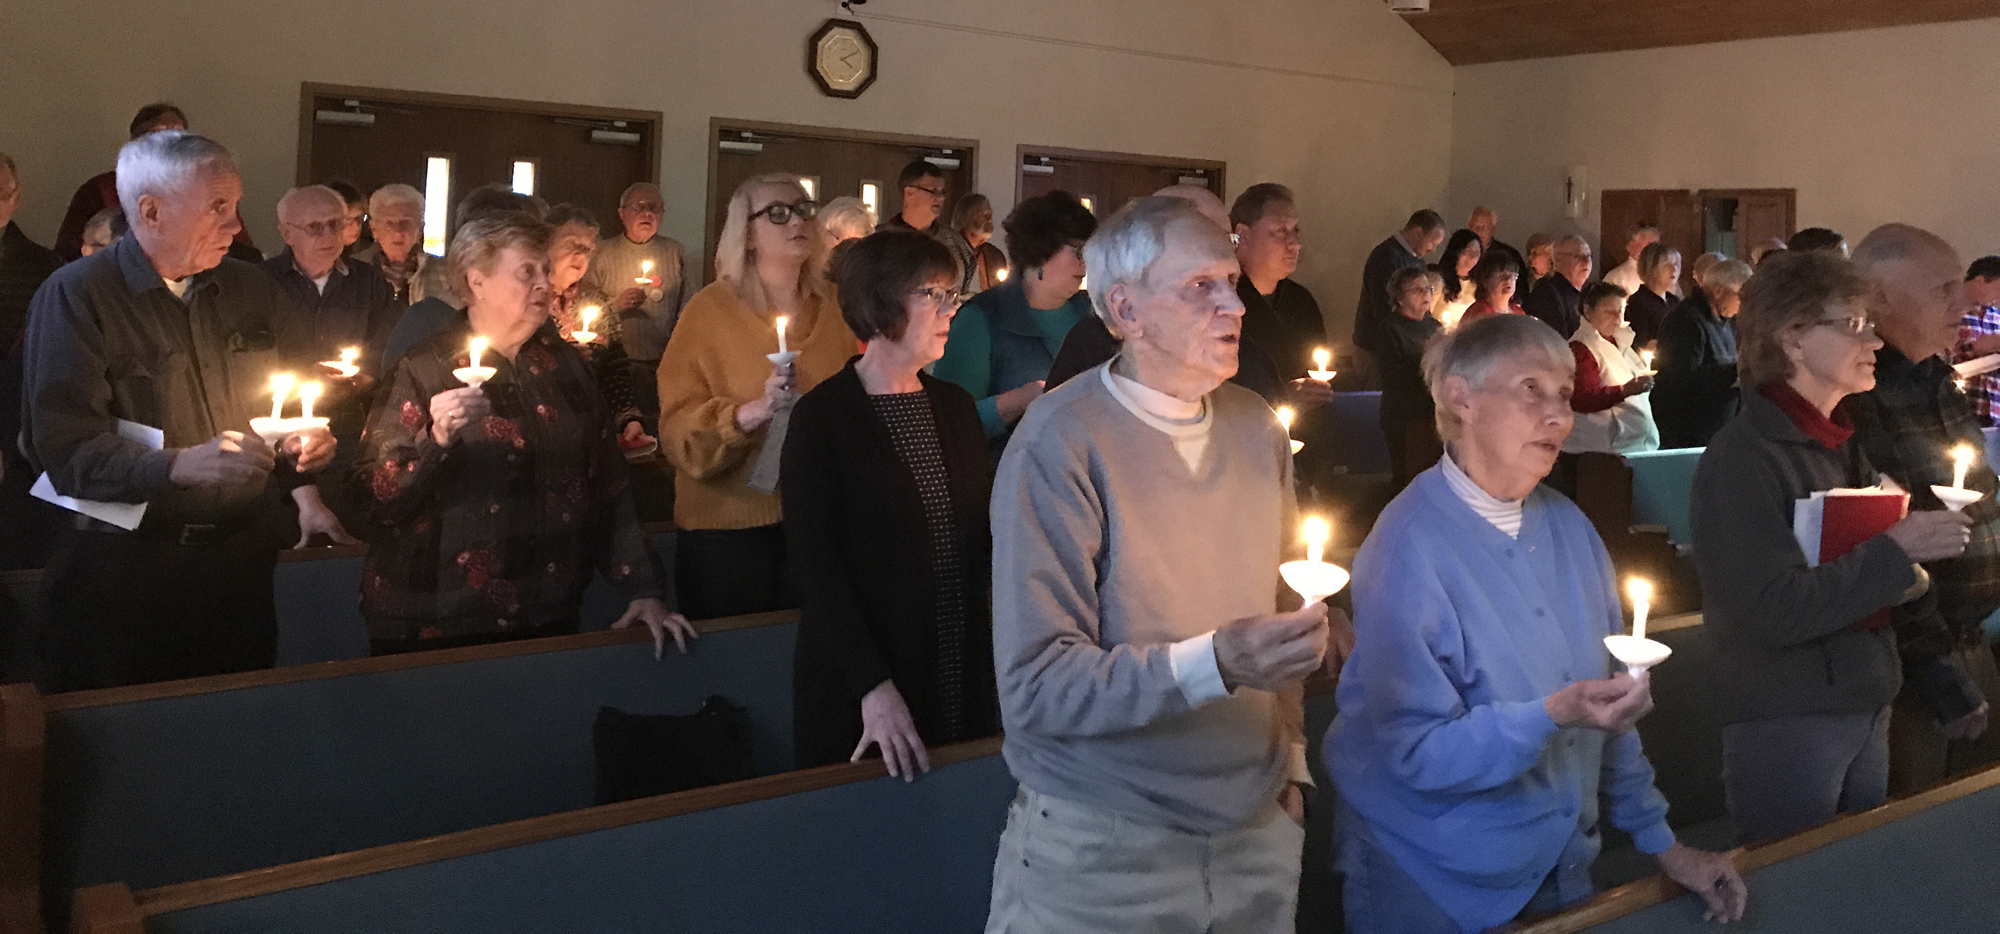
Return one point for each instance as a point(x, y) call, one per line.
point(1923, 863)
point(841, 847)
point(163, 783)
point(1639, 507)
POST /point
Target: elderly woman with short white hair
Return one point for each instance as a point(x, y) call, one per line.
point(725, 400)
point(1480, 723)
point(396, 222)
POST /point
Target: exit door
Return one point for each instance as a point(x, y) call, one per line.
point(447, 145)
point(1106, 180)
point(833, 163)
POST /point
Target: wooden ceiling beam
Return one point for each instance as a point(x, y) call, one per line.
point(1469, 32)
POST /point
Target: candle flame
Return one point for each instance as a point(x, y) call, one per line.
point(588, 315)
point(645, 267)
point(282, 383)
point(349, 354)
point(478, 349)
point(1639, 589)
point(1321, 358)
point(1961, 457)
point(1315, 531)
point(1285, 416)
point(1000, 275)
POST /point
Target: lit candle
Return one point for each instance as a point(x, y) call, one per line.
point(1646, 357)
point(309, 392)
point(1322, 358)
point(1000, 276)
point(1285, 416)
point(1961, 460)
point(1315, 531)
point(348, 355)
point(478, 350)
point(588, 315)
point(281, 385)
point(645, 272)
point(1641, 592)
point(782, 321)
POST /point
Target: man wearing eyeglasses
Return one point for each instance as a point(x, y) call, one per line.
point(924, 194)
point(336, 303)
point(1908, 425)
point(645, 273)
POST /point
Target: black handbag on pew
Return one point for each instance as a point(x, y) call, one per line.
point(641, 755)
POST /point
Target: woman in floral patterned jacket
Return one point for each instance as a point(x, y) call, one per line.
point(494, 504)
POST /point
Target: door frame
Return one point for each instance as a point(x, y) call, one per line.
point(1023, 150)
point(966, 149)
point(308, 90)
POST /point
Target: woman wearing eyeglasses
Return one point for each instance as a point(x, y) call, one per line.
point(886, 482)
point(1005, 339)
point(723, 400)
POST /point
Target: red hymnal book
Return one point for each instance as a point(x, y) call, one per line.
point(1831, 524)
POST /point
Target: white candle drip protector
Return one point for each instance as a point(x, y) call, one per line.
point(272, 430)
point(1954, 498)
point(1313, 580)
point(782, 359)
point(1322, 365)
point(474, 376)
point(1635, 653)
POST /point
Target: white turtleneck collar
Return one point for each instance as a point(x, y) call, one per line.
point(1505, 514)
point(1185, 423)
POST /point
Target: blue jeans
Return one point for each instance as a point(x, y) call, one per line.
point(1378, 897)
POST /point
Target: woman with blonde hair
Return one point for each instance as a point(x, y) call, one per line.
point(727, 383)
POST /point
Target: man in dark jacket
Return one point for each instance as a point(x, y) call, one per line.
point(1558, 299)
point(1909, 425)
point(24, 265)
point(1406, 249)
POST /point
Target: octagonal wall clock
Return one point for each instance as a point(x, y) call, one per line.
point(841, 58)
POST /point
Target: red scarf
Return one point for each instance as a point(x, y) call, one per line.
point(1831, 432)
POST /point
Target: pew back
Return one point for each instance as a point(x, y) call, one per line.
point(167, 783)
point(1662, 488)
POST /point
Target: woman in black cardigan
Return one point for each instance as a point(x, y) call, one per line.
point(886, 477)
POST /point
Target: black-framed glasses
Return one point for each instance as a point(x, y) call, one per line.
point(938, 193)
point(781, 214)
point(938, 297)
point(1852, 325)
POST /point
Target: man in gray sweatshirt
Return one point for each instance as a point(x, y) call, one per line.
point(1149, 689)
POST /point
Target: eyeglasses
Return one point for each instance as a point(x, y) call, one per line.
point(938, 298)
point(781, 214)
point(1852, 326)
point(321, 228)
point(646, 207)
point(937, 193)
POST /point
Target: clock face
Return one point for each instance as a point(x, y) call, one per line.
point(841, 58)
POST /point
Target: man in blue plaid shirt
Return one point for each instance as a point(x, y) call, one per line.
point(1979, 336)
point(1907, 425)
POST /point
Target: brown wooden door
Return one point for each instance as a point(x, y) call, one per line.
point(582, 155)
point(1761, 214)
point(1106, 180)
point(837, 162)
point(1676, 212)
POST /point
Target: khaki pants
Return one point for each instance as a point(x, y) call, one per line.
point(1919, 755)
point(1069, 868)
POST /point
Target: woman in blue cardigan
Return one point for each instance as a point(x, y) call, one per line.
point(1479, 720)
point(1005, 339)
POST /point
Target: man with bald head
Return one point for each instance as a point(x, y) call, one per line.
point(1908, 425)
point(1090, 343)
point(1485, 223)
point(644, 272)
point(337, 304)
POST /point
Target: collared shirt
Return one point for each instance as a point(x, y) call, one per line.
point(1908, 425)
point(108, 341)
point(1984, 389)
point(356, 308)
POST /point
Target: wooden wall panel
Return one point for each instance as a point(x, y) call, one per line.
point(1468, 32)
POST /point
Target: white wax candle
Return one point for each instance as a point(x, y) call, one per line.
point(1641, 592)
point(281, 385)
point(645, 272)
point(1315, 531)
point(478, 350)
point(1961, 458)
point(1646, 357)
point(782, 321)
point(308, 393)
point(588, 315)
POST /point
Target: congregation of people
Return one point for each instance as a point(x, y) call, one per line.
point(1042, 492)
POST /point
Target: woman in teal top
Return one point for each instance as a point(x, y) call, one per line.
point(1005, 339)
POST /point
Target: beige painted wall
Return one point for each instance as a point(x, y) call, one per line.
point(1870, 127)
point(1336, 98)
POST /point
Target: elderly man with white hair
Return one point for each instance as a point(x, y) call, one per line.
point(337, 305)
point(1149, 685)
point(396, 223)
point(145, 363)
point(643, 272)
point(1480, 722)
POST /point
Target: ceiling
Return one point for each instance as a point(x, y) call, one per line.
point(1468, 32)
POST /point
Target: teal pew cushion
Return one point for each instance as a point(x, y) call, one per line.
point(874, 856)
point(1662, 485)
point(161, 791)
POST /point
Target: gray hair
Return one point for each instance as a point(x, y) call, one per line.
point(1473, 350)
point(625, 197)
point(164, 163)
point(393, 194)
point(847, 216)
point(1728, 274)
point(1125, 247)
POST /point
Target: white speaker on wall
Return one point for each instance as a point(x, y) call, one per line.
point(1406, 7)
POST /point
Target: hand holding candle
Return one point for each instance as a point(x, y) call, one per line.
point(1956, 497)
point(1313, 579)
point(1646, 357)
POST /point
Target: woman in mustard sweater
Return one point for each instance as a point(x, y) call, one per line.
point(724, 403)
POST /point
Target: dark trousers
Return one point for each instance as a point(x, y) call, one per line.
point(126, 609)
point(646, 393)
point(1781, 775)
point(730, 572)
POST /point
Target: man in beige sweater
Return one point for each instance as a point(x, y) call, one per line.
point(1149, 689)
